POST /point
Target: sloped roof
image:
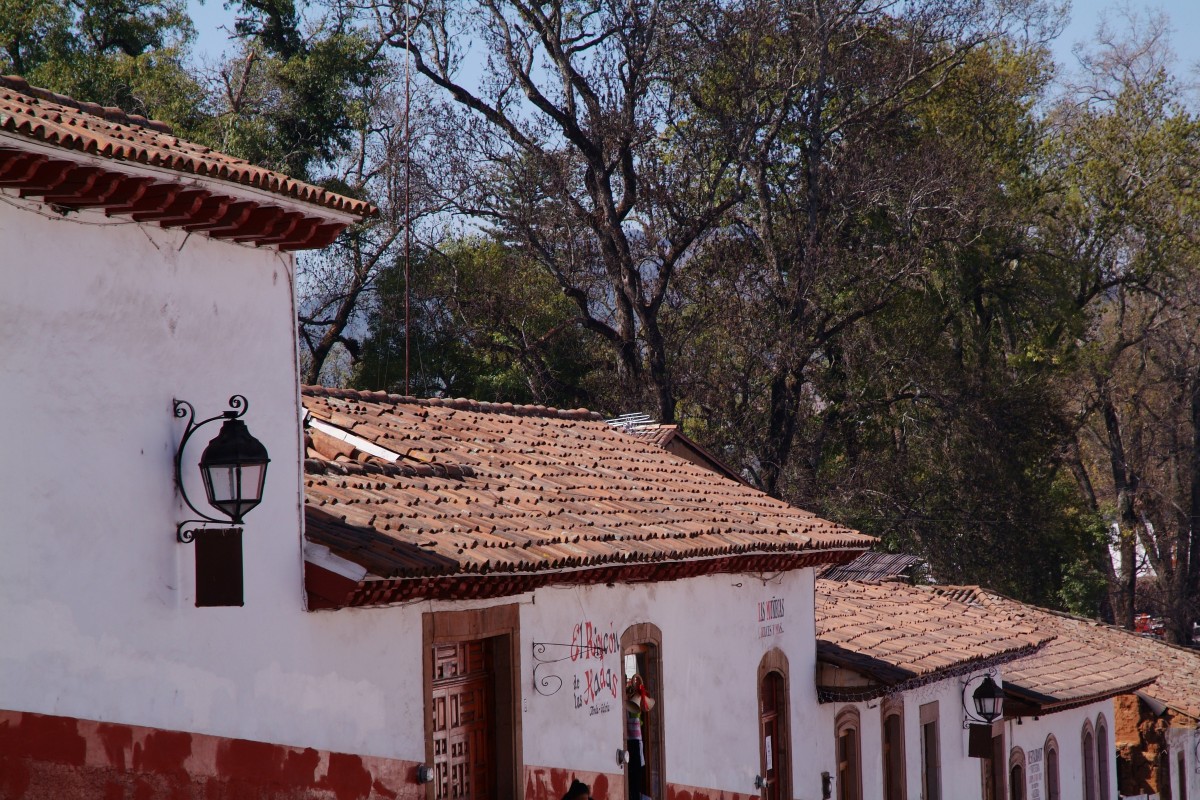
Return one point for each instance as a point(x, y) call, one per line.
point(90, 137)
point(1089, 661)
point(460, 498)
point(904, 636)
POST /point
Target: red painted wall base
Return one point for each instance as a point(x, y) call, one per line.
point(59, 758)
point(549, 783)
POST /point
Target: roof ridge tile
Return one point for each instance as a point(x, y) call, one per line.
point(111, 113)
point(321, 466)
point(456, 403)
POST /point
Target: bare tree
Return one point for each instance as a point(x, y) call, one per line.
point(579, 142)
point(387, 165)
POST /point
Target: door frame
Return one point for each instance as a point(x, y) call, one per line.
point(647, 633)
point(503, 625)
point(775, 661)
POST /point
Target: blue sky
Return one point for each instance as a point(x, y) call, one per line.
point(1185, 22)
point(1085, 15)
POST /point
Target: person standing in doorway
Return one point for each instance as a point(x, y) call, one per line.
point(637, 705)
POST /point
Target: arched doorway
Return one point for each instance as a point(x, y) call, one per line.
point(641, 660)
point(774, 730)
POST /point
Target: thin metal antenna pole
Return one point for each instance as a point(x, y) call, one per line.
point(407, 194)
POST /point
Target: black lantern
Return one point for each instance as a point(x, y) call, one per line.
point(233, 466)
point(988, 699)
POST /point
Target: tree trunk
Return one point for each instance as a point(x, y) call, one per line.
point(1189, 544)
point(1124, 594)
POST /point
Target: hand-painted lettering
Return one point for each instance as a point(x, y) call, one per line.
point(596, 685)
point(770, 609)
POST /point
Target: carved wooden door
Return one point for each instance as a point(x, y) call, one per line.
point(462, 738)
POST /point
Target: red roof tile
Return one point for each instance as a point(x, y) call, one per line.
point(901, 636)
point(1089, 660)
point(108, 133)
point(484, 489)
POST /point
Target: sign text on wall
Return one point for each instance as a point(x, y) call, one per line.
point(769, 614)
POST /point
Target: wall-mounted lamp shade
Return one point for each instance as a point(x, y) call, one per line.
point(989, 699)
point(234, 466)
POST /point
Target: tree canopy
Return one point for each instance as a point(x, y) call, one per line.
point(880, 257)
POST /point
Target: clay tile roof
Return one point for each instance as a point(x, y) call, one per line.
point(432, 490)
point(904, 636)
point(1089, 661)
point(110, 133)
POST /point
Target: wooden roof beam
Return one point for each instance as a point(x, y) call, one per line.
point(316, 237)
point(209, 209)
point(46, 175)
point(73, 180)
point(100, 188)
point(233, 215)
point(16, 166)
point(259, 221)
point(180, 208)
point(155, 196)
point(283, 228)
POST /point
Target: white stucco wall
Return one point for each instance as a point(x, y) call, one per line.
point(712, 644)
point(960, 774)
point(104, 323)
point(1067, 728)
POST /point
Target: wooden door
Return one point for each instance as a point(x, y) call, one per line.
point(773, 719)
point(463, 752)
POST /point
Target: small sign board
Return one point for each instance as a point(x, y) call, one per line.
point(218, 567)
point(979, 741)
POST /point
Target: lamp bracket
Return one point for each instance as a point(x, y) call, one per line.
point(186, 535)
point(238, 405)
point(547, 685)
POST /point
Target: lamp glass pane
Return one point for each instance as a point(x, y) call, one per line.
point(253, 476)
point(222, 484)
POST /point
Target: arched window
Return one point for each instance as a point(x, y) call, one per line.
point(894, 783)
point(1089, 762)
point(1050, 759)
point(1102, 757)
point(849, 755)
point(775, 732)
point(1016, 774)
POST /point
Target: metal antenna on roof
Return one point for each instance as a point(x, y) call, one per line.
point(632, 423)
point(407, 193)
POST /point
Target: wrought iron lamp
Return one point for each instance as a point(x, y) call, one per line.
point(987, 705)
point(987, 702)
point(233, 466)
